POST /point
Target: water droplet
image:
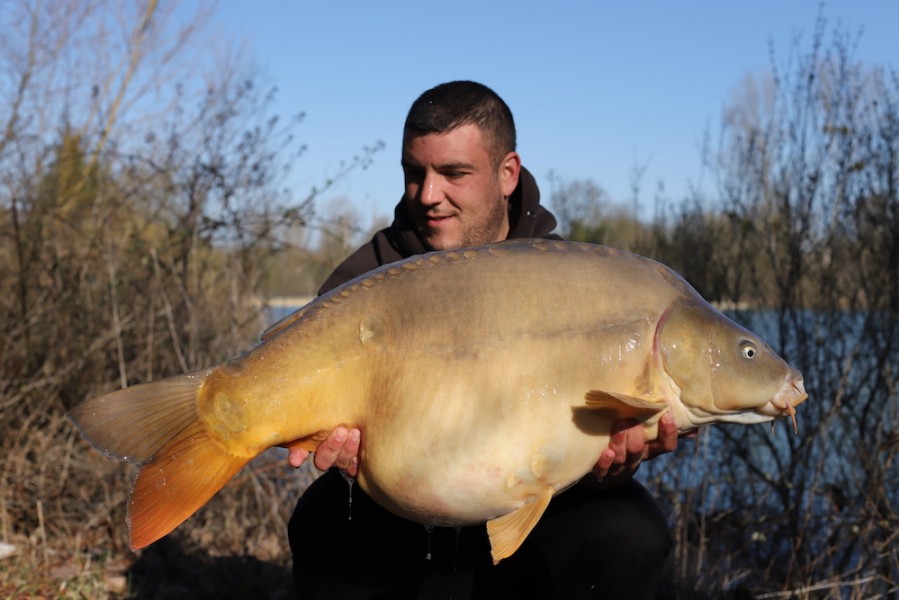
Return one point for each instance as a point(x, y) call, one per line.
point(430, 529)
point(458, 529)
point(350, 481)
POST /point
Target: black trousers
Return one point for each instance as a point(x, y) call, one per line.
point(588, 544)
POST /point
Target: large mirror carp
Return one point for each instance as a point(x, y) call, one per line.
point(484, 381)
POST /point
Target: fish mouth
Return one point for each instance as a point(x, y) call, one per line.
point(785, 401)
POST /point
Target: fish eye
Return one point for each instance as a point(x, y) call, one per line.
point(749, 349)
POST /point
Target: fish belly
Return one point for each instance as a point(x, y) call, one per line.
point(460, 440)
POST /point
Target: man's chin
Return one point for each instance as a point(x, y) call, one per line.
point(440, 245)
point(441, 240)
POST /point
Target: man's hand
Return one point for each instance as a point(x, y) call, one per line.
point(627, 449)
point(340, 449)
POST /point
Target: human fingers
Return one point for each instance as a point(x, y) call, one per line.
point(667, 438)
point(338, 450)
point(619, 439)
point(348, 459)
point(327, 452)
point(602, 466)
point(297, 456)
point(635, 447)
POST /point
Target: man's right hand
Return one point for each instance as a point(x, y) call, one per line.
point(340, 449)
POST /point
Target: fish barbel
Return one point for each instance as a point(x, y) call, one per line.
point(484, 380)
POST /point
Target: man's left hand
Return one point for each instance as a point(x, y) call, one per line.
point(627, 449)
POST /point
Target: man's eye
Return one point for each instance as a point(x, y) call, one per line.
point(412, 175)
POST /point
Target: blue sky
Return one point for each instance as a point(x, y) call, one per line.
point(595, 87)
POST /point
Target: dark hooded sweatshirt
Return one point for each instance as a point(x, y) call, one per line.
point(527, 219)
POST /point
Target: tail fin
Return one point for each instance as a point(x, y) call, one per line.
point(185, 474)
point(156, 426)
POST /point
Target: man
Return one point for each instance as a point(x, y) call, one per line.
point(604, 537)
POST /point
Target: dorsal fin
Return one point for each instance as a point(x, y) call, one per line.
point(283, 323)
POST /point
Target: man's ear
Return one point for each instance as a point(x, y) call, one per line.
point(509, 169)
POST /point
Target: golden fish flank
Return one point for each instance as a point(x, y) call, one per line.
point(514, 357)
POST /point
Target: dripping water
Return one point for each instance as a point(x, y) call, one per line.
point(430, 529)
point(458, 529)
point(350, 481)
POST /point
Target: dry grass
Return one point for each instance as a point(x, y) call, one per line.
point(63, 508)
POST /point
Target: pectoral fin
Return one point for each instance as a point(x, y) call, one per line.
point(623, 406)
point(508, 532)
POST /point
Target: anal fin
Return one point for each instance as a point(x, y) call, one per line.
point(509, 531)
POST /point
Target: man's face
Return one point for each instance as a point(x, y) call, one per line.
point(455, 191)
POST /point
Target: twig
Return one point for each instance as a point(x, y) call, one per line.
point(816, 587)
point(43, 531)
point(116, 320)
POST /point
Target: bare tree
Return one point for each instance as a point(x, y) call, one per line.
point(586, 214)
point(808, 173)
point(141, 189)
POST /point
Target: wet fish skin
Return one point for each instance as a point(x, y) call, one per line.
point(484, 380)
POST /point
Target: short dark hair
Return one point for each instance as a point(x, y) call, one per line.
point(457, 103)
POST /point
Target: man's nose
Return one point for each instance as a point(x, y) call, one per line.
point(430, 190)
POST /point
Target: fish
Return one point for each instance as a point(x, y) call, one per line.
point(484, 380)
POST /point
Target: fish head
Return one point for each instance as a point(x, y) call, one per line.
point(723, 371)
